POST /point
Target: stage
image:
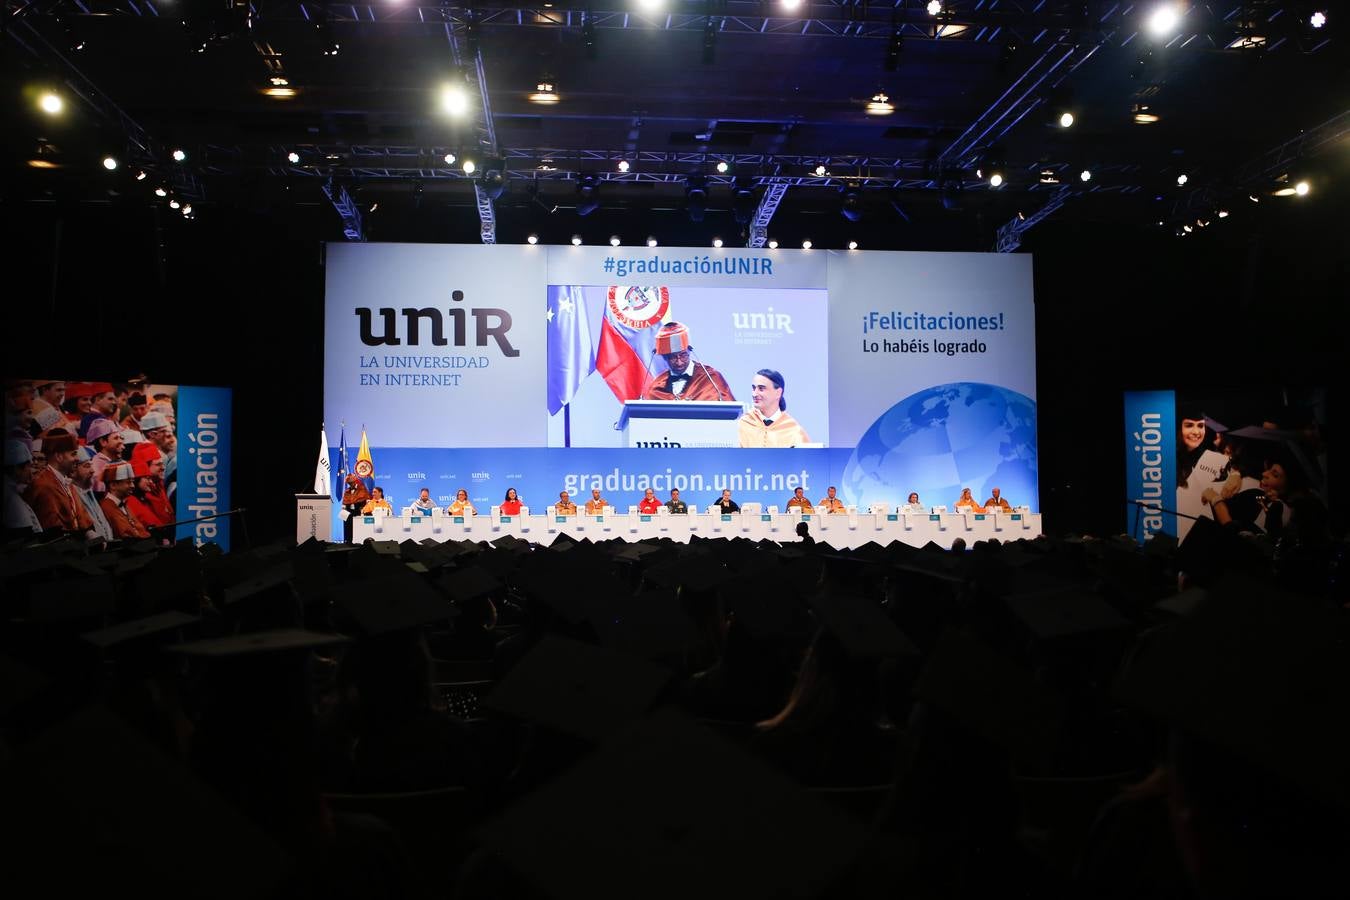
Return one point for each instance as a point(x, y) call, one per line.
point(841, 530)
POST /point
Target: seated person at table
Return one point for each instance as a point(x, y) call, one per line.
point(726, 504)
point(967, 502)
point(831, 503)
point(354, 497)
point(675, 504)
point(596, 505)
point(912, 504)
point(649, 504)
point(461, 506)
point(798, 501)
point(997, 501)
point(684, 378)
point(377, 502)
point(564, 506)
point(768, 423)
point(511, 503)
point(423, 503)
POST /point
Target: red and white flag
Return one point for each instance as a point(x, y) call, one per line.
point(628, 337)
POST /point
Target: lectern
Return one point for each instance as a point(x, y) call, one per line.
point(680, 423)
point(313, 517)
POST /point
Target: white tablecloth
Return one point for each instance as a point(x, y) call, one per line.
point(839, 530)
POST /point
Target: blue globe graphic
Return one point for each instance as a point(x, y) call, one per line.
point(946, 438)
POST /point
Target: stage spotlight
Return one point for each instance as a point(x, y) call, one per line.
point(588, 189)
point(624, 165)
point(187, 210)
point(1164, 20)
point(806, 245)
point(576, 240)
point(110, 163)
point(1253, 198)
point(174, 204)
point(696, 197)
point(850, 206)
point(1085, 175)
point(995, 179)
point(773, 245)
point(820, 171)
point(179, 155)
point(532, 239)
point(791, 5)
point(544, 92)
point(717, 242)
point(934, 7)
point(1222, 214)
point(1302, 188)
point(51, 103)
point(494, 182)
point(853, 245)
point(468, 167)
point(450, 159)
point(161, 192)
point(293, 158)
point(614, 241)
point(651, 5)
point(722, 167)
point(879, 105)
point(651, 242)
point(454, 100)
point(1182, 179)
point(1317, 19)
point(140, 176)
point(1066, 120)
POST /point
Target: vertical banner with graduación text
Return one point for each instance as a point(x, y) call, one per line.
point(203, 463)
point(1150, 463)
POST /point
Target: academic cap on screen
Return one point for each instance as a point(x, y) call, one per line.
point(991, 696)
point(95, 809)
point(667, 810)
point(1259, 672)
point(578, 688)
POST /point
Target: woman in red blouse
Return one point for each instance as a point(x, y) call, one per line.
point(511, 505)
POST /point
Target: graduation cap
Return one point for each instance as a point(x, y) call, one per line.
point(257, 643)
point(578, 688)
point(652, 625)
point(991, 696)
point(1263, 674)
point(667, 809)
point(862, 628)
point(393, 604)
point(72, 598)
point(90, 805)
point(469, 583)
point(150, 626)
point(694, 571)
point(1068, 614)
point(1183, 603)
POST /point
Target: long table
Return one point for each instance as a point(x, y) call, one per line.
point(840, 530)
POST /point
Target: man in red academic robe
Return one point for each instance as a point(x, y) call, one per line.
point(685, 378)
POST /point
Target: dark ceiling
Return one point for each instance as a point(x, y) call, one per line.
point(773, 93)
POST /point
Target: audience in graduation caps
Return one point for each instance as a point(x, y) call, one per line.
point(1067, 717)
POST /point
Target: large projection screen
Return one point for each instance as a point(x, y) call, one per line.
point(491, 367)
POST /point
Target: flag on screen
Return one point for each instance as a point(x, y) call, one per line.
point(323, 472)
point(571, 354)
point(628, 337)
point(365, 466)
point(343, 468)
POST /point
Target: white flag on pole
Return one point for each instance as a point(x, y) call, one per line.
point(323, 474)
